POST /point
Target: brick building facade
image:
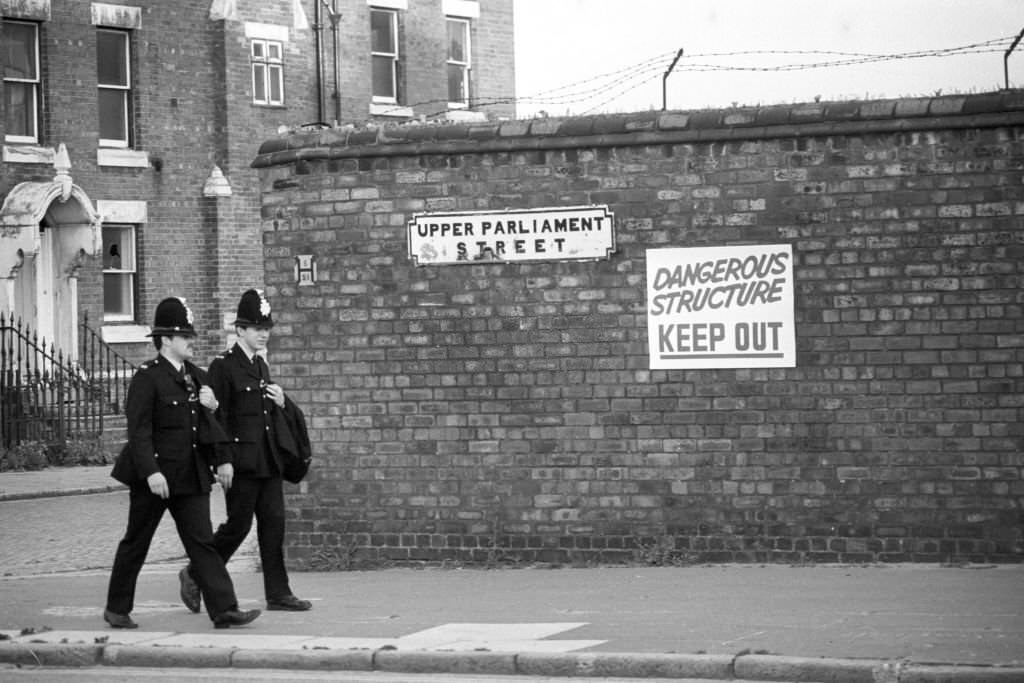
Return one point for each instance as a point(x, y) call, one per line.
point(160, 107)
point(475, 411)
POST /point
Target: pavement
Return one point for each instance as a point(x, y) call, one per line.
point(57, 481)
point(900, 623)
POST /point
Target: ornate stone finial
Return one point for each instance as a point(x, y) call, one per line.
point(62, 166)
point(217, 185)
point(19, 262)
point(75, 264)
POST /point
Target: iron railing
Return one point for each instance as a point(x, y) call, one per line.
point(47, 395)
point(105, 367)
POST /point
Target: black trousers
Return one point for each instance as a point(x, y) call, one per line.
point(191, 515)
point(264, 499)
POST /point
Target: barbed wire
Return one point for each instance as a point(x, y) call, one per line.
point(628, 78)
point(852, 59)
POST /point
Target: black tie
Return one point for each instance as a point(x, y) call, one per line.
point(190, 384)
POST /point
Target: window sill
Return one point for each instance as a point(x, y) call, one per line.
point(27, 154)
point(125, 158)
point(124, 334)
point(395, 110)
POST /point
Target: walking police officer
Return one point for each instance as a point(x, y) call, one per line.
point(166, 464)
point(240, 378)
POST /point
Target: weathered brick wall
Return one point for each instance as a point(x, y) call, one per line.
point(508, 411)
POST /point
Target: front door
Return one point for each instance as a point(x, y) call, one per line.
point(44, 296)
point(45, 305)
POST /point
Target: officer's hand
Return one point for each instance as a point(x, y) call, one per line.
point(276, 394)
point(225, 474)
point(207, 398)
point(158, 485)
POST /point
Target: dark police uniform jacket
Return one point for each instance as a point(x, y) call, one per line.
point(168, 432)
point(245, 412)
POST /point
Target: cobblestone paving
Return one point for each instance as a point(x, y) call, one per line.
point(81, 532)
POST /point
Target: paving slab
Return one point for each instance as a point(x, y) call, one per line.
point(241, 639)
point(347, 643)
point(105, 636)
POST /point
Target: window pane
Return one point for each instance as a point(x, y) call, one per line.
point(383, 77)
point(114, 115)
point(457, 41)
point(128, 249)
point(118, 248)
point(259, 82)
point(20, 51)
point(111, 250)
point(20, 109)
point(456, 83)
point(276, 88)
point(274, 51)
point(117, 294)
point(111, 58)
point(381, 25)
point(257, 48)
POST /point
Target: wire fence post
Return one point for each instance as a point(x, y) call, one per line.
point(664, 79)
point(1006, 58)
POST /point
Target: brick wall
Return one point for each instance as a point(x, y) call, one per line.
point(476, 412)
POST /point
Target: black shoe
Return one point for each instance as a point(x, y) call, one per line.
point(118, 620)
point(288, 603)
point(189, 591)
point(234, 617)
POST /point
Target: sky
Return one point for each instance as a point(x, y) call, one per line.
point(577, 57)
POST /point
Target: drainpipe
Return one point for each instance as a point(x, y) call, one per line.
point(318, 30)
point(335, 20)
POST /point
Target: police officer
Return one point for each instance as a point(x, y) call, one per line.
point(248, 398)
point(166, 464)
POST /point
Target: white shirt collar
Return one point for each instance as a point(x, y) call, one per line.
point(176, 365)
point(249, 353)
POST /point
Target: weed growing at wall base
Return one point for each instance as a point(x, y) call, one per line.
point(37, 455)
